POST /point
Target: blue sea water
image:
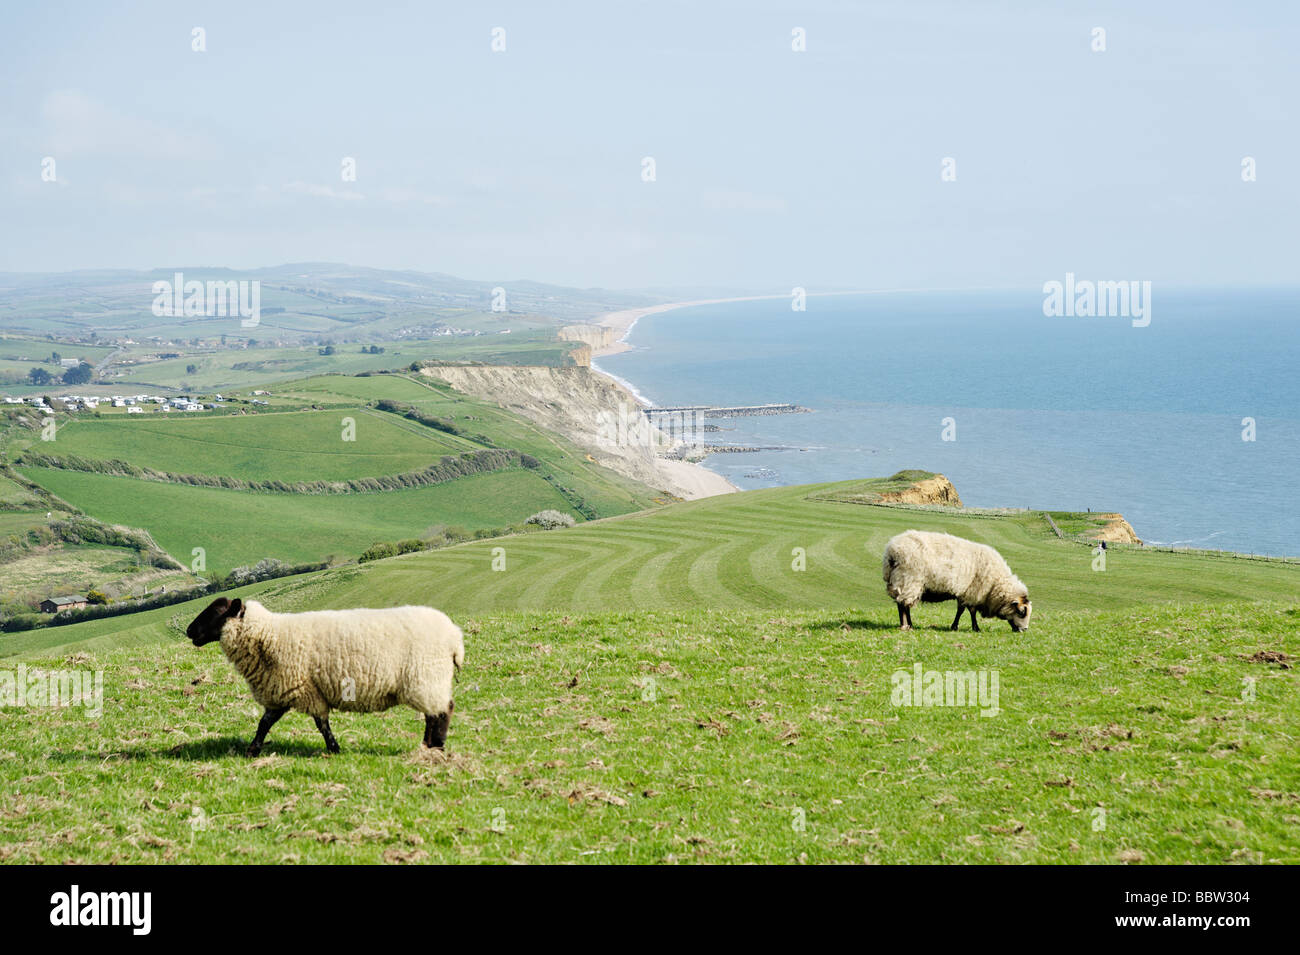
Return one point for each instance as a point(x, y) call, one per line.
point(1060, 413)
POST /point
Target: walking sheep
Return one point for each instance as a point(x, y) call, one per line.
point(361, 660)
point(924, 566)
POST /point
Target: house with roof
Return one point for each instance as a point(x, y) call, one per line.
point(60, 604)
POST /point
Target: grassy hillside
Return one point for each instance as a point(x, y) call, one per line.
point(738, 551)
point(223, 369)
point(291, 446)
point(732, 736)
point(735, 552)
point(302, 440)
point(237, 528)
point(1148, 715)
point(605, 491)
point(36, 562)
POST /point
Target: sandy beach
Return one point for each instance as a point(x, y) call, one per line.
point(692, 480)
point(621, 322)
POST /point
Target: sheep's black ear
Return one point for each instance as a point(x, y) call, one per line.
point(236, 608)
point(218, 606)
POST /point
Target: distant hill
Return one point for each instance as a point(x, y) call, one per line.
point(310, 299)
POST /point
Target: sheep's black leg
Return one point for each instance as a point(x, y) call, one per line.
point(435, 728)
point(904, 618)
point(323, 724)
point(957, 619)
point(974, 624)
point(263, 727)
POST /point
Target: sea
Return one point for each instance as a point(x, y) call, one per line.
point(1188, 425)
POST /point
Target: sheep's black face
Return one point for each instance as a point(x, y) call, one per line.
point(206, 627)
point(1019, 613)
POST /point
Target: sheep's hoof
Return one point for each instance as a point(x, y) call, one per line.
point(906, 626)
point(252, 751)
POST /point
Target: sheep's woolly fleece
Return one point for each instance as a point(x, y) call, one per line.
point(361, 660)
point(924, 565)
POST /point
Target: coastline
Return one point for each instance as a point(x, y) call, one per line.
point(693, 476)
point(621, 323)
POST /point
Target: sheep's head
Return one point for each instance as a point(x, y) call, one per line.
point(207, 626)
point(1017, 609)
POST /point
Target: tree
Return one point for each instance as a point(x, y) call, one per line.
point(55, 357)
point(39, 376)
point(79, 375)
point(191, 369)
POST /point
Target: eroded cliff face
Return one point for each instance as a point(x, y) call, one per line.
point(1117, 530)
point(591, 410)
point(594, 336)
point(934, 490)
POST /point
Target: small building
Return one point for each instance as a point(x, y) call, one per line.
point(60, 604)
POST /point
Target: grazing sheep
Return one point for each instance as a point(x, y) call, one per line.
point(363, 660)
point(924, 566)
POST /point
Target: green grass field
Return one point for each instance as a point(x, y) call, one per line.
point(295, 443)
point(288, 446)
point(40, 349)
point(739, 551)
point(238, 528)
point(605, 491)
point(705, 681)
point(688, 696)
point(215, 370)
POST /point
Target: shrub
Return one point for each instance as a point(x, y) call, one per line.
point(549, 520)
point(378, 552)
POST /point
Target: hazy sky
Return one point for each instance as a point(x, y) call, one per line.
point(774, 168)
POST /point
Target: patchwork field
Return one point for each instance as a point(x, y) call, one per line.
point(605, 491)
point(259, 367)
point(238, 528)
point(40, 349)
point(289, 446)
point(302, 441)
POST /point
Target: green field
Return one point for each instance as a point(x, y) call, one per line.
point(294, 444)
point(225, 369)
point(738, 551)
point(289, 446)
point(40, 349)
point(607, 492)
point(79, 568)
point(689, 696)
point(329, 388)
point(238, 528)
